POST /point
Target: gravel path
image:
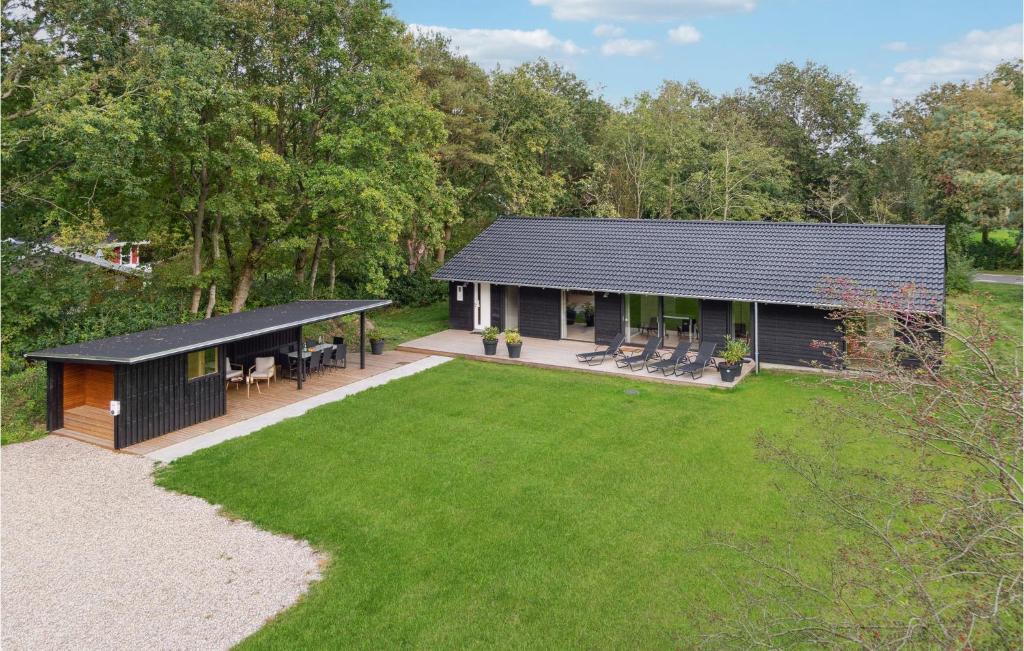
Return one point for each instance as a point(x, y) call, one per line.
point(94, 556)
point(1006, 279)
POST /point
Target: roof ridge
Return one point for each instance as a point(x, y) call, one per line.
point(730, 223)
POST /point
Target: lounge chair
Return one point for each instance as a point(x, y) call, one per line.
point(668, 364)
point(640, 359)
point(705, 357)
point(596, 357)
point(263, 369)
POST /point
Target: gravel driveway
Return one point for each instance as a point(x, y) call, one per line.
point(95, 556)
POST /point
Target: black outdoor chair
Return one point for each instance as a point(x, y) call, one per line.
point(668, 364)
point(596, 357)
point(315, 362)
point(338, 358)
point(705, 357)
point(649, 352)
point(652, 326)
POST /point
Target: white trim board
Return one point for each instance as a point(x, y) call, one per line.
point(246, 427)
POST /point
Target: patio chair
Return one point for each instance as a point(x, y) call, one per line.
point(233, 373)
point(668, 364)
point(263, 369)
point(339, 356)
point(598, 356)
point(705, 357)
point(652, 326)
point(649, 352)
point(316, 359)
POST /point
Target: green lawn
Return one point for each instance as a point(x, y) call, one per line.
point(479, 504)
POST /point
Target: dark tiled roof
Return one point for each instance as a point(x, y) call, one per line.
point(770, 262)
point(170, 340)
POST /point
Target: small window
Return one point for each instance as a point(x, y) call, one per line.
point(458, 292)
point(202, 362)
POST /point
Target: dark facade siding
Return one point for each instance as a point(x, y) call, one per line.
point(607, 317)
point(498, 306)
point(156, 398)
point(785, 333)
point(540, 313)
point(54, 396)
point(245, 351)
point(715, 321)
point(460, 314)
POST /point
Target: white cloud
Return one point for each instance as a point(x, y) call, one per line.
point(684, 34)
point(896, 46)
point(605, 30)
point(627, 47)
point(977, 53)
point(642, 10)
point(507, 47)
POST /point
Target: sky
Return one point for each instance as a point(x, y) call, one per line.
point(893, 49)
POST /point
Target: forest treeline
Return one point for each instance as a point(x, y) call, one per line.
point(316, 148)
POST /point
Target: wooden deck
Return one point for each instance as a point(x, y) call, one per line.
point(547, 353)
point(281, 393)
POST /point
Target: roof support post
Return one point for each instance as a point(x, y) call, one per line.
point(300, 361)
point(362, 340)
point(757, 343)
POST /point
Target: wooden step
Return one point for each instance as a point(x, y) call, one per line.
point(92, 421)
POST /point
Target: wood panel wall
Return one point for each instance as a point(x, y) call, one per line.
point(157, 398)
point(785, 333)
point(246, 350)
point(498, 306)
point(540, 312)
point(54, 396)
point(607, 317)
point(87, 384)
point(715, 321)
point(460, 313)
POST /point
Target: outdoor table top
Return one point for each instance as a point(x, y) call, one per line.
point(305, 353)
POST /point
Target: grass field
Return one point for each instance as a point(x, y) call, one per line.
point(482, 504)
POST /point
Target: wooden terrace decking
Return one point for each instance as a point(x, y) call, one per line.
point(281, 393)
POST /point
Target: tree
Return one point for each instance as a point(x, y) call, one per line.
point(741, 178)
point(933, 532)
point(459, 90)
point(813, 117)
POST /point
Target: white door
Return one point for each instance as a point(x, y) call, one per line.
point(481, 306)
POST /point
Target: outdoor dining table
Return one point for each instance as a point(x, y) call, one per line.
point(306, 351)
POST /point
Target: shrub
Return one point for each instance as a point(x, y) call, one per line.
point(490, 333)
point(376, 333)
point(1000, 252)
point(23, 395)
point(734, 350)
point(959, 271)
point(513, 337)
point(417, 289)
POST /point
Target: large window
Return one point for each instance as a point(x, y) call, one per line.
point(741, 322)
point(681, 318)
point(202, 362)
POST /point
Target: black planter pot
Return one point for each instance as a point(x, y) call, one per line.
point(514, 350)
point(490, 347)
point(570, 317)
point(377, 347)
point(729, 372)
point(590, 320)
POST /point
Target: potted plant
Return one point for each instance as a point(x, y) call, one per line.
point(514, 341)
point(376, 337)
point(490, 336)
point(588, 314)
point(734, 351)
point(570, 313)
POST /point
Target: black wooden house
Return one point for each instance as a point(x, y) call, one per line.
point(591, 279)
point(127, 389)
